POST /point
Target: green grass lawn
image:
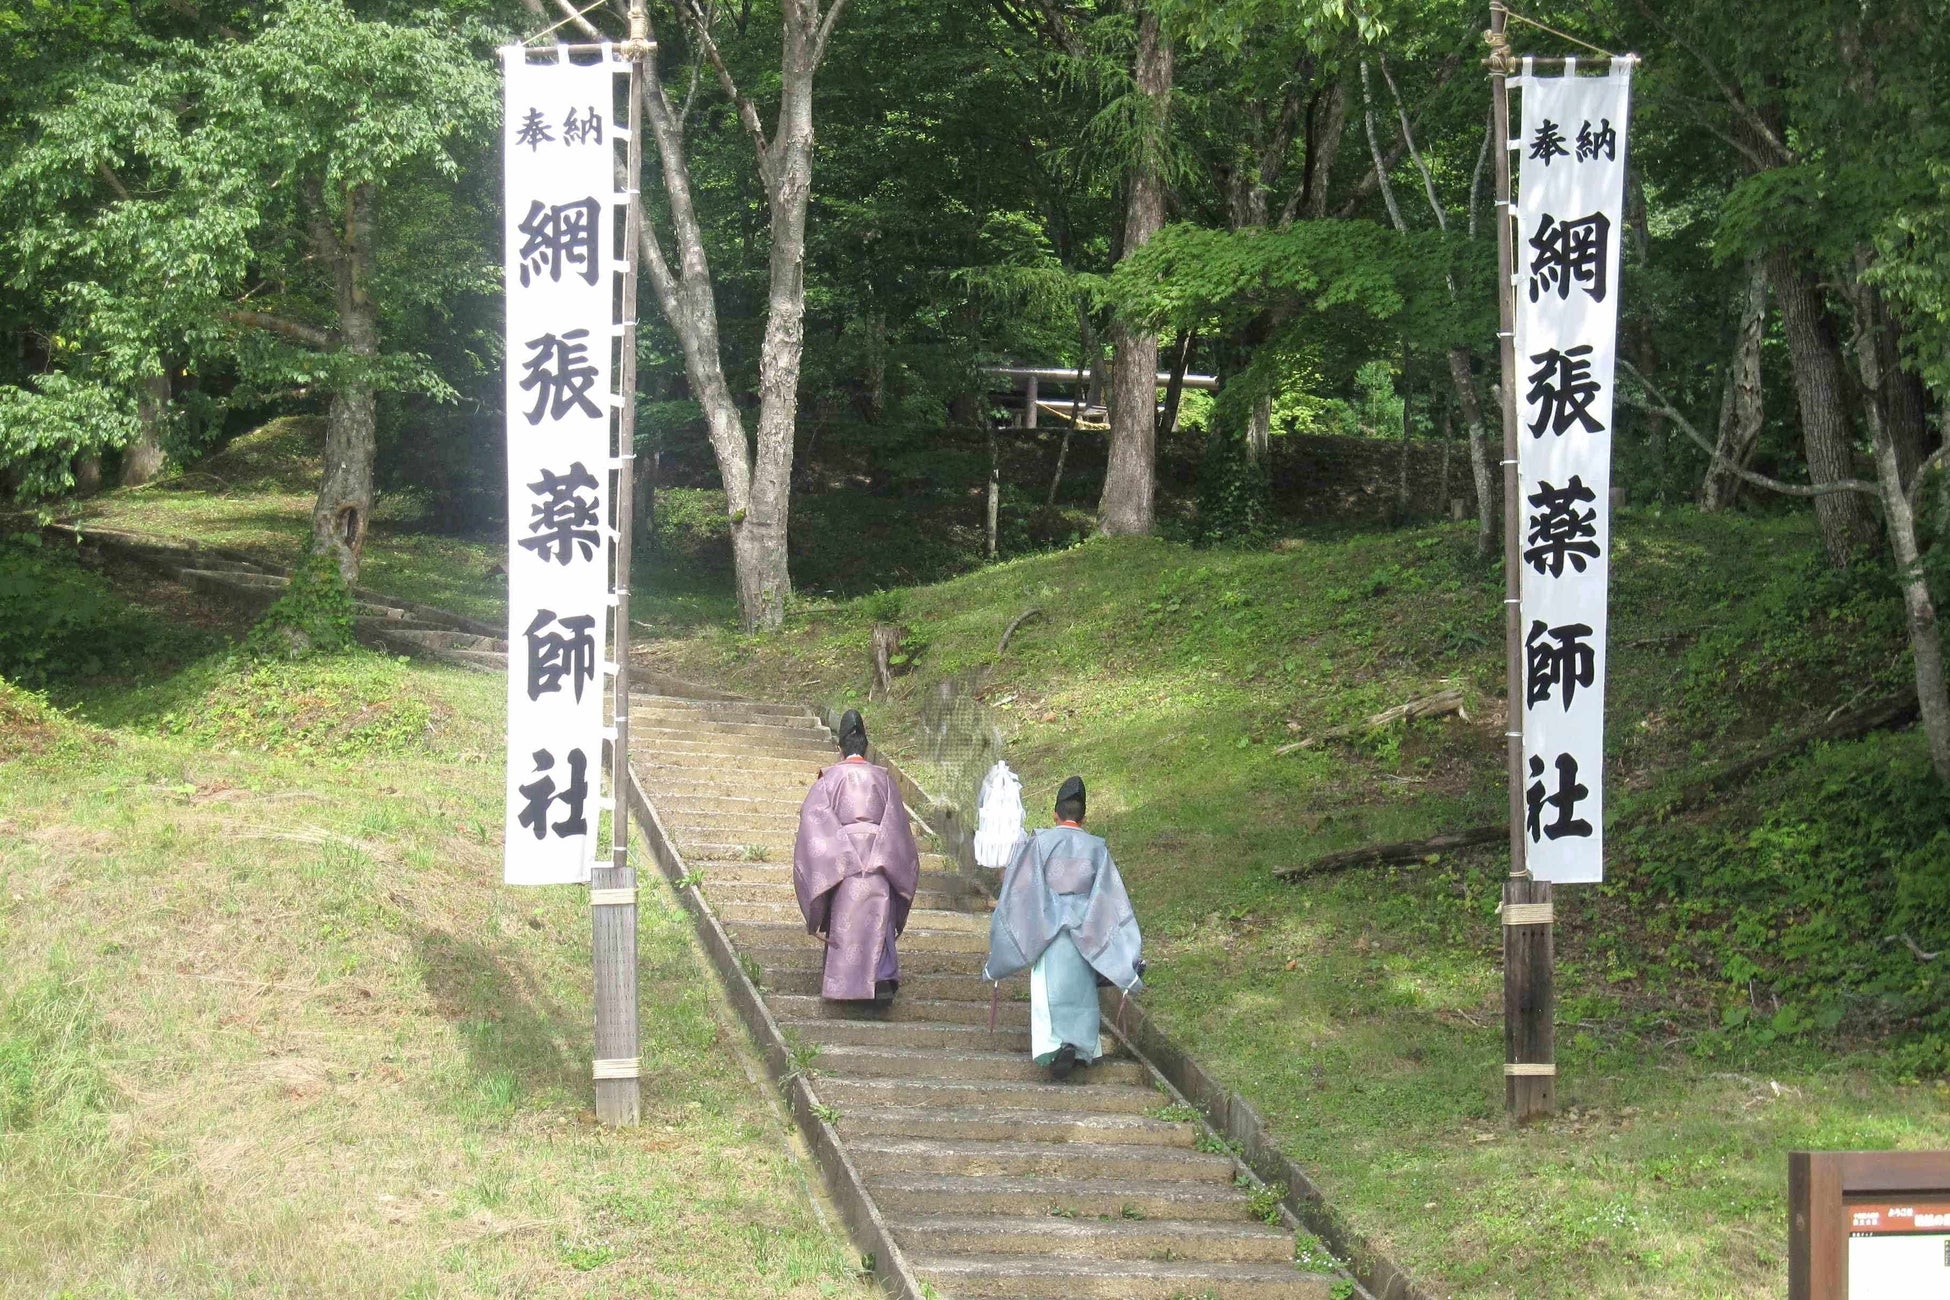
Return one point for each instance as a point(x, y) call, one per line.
point(256, 495)
point(1361, 1012)
point(271, 1026)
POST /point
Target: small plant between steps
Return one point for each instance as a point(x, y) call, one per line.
point(313, 616)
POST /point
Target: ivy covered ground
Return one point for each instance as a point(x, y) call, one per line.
point(270, 1025)
point(1738, 988)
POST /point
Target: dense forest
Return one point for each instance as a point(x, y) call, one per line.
point(222, 211)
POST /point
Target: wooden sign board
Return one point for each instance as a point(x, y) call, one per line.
point(1871, 1225)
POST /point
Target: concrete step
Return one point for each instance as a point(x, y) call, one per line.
point(723, 893)
point(729, 710)
point(860, 1032)
point(1097, 1099)
point(949, 1063)
point(778, 875)
point(885, 1156)
point(907, 1009)
point(487, 660)
point(674, 807)
point(777, 835)
point(429, 638)
point(667, 786)
point(918, 921)
point(1037, 1277)
point(657, 722)
point(1085, 1197)
point(1004, 1124)
point(730, 749)
point(926, 976)
point(737, 773)
point(763, 934)
point(934, 866)
point(1116, 1237)
point(216, 574)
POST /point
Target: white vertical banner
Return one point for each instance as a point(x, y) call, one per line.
point(1569, 216)
point(559, 265)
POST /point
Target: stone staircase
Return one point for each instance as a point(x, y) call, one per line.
point(383, 622)
point(992, 1180)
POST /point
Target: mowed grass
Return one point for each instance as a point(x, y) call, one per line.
point(256, 495)
point(271, 1026)
point(1361, 1013)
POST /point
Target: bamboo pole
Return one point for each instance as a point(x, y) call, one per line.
point(1529, 996)
point(612, 889)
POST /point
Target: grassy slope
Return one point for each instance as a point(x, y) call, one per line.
point(257, 494)
point(269, 1024)
point(1361, 1012)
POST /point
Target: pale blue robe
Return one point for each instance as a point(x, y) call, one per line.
point(1063, 913)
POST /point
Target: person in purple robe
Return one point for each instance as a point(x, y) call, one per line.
point(855, 868)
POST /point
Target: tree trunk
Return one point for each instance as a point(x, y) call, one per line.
point(1925, 633)
point(1740, 420)
point(1401, 471)
point(1175, 385)
point(338, 520)
point(758, 485)
point(1480, 467)
point(1846, 528)
point(142, 459)
point(1905, 404)
point(88, 473)
point(1130, 478)
point(995, 488)
point(764, 585)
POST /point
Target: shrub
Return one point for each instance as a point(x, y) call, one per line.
point(313, 616)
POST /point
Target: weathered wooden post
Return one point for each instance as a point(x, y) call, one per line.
point(1529, 992)
point(612, 889)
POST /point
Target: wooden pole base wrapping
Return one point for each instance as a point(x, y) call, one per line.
point(612, 942)
point(612, 889)
point(1529, 993)
point(1529, 1000)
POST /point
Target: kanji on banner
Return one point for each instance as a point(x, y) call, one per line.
point(1570, 201)
point(559, 263)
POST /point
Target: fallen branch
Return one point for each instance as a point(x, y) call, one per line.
point(1406, 851)
point(1008, 633)
point(1429, 706)
point(1891, 711)
point(1914, 949)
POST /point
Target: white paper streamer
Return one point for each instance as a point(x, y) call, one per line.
point(1570, 209)
point(558, 147)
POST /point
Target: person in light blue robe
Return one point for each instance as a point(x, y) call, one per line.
point(1063, 914)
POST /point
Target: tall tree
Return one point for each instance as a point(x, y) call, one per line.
point(757, 473)
point(268, 199)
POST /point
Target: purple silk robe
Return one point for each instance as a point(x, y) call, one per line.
point(855, 868)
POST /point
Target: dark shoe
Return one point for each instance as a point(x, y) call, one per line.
point(1064, 1062)
point(883, 992)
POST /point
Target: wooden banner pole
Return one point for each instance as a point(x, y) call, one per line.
point(1529, 997)
point(612, 889)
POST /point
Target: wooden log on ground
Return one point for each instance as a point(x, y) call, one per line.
point(1428, 706)
point(1405, 851)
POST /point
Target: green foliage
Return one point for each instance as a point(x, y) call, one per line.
point(883, 606)
point(342, 708)
point(1807, 909)
point(61, 625)
point(314, 616)
point(1233, 492)
point(54, 418)
point(1264, 1202)
point(1797, 626)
